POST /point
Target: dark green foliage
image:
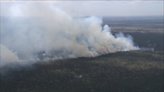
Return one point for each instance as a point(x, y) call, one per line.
point(101, 74)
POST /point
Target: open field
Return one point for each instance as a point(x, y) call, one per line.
point(135, 24)
point(133, 71)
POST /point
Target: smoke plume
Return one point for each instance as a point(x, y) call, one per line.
point(46, 33)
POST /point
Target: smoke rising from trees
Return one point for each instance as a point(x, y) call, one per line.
point(46, 33)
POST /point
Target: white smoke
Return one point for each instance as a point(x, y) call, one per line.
point(46, 33)
point(7, 56)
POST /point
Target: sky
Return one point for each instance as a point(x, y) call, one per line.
point(91, 8)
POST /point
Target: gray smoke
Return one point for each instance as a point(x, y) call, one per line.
point(46, 33)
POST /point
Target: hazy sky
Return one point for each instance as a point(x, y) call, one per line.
point(96, 8)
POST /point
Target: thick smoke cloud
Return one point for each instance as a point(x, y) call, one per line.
point(45, 33)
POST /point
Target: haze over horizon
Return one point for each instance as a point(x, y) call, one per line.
point(91, 8)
